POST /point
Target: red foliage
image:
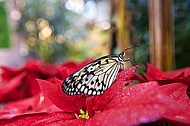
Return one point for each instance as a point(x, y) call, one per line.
point(161, 98)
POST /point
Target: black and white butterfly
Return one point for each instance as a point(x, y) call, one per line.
point(96, 77)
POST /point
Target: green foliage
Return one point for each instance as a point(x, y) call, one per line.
point(66, 30)
point(50, 30)
point(4, 29)
point(139, 29)
point(182, 32)
point(140, 34)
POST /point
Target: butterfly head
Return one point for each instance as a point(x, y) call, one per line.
point(121, 57)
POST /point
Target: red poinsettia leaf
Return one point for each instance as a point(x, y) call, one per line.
point(146, 93)
point(68, 64)
point(64, 72)
point(49, 70)
point(126, 74)
point(186, 71)
point(59, 98)
point(25, 119)
point(180, 73)
point(134, 95)
point(71, 122)
point(175, 80)
point(126, 116)
point(179, 119)
point(6, 83)
point(9, 73)
point(16, 95)
point(33, 65)
point(7, 88)
point(138, 104)
point(71, 67)
point(31, 85)
point(153, 73)
point(177, 91)
point(38, 119)
point(37, 103)
point(56, 118)
point(99, 102)
point(12, 109)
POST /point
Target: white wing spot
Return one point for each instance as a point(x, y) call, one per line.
point(82, 88)
point(86, 90)
point(89, 92)
point(79, 86)
point(94, 92)
point(98, 92)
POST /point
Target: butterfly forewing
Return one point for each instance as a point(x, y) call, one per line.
point(94, 78)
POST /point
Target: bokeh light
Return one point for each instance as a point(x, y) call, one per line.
point(46, 32)
point(60, 39)
point(75, 5)
point(15, 14)
point(30, 26)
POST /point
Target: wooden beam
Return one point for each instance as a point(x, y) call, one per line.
point(123, 20)
point(161, 33)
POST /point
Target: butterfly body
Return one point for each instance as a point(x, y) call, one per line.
point(96, 77)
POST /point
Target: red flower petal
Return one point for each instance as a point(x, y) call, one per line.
point(126, 74)
point(64, 72)
point(38, 119)
point(99, 102)
point(30, 84)
point(125, 116)
point(153, 73)
point(33, 65)
point(177, 91)
point(138, 104)
point(59, 98)
point(9, 73)
point(49, 70)
point(68, 68)
point(7, 89)
point(37, 103)
point(175, 80)
point(180, 73)
point(72, 122)
point(134, 95)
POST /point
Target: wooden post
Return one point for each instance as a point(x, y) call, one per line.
point(122, 23)
point(161, 33)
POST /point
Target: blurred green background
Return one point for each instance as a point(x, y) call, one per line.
point(63, 30)
point(4, 28)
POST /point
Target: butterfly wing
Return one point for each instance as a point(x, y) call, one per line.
point(94, 78)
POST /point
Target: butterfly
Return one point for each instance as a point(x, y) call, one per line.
point(96, 77)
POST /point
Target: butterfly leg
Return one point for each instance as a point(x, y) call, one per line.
point(131, 60)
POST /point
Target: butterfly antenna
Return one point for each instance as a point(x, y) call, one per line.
point(130, 48)
point(130, 59)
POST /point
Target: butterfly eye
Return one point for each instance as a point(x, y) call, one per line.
point(122, 53)
point(121, 56)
